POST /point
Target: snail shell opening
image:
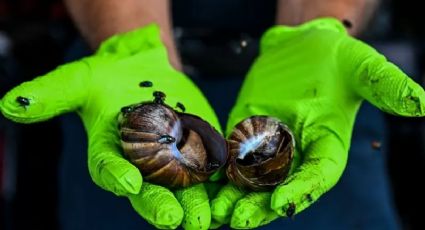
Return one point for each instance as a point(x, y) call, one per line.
point(170, 148)
point(261, 150)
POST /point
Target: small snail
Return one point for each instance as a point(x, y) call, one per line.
point(170, 148)
point(261, 151)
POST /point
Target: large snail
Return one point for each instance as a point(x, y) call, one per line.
point(170, 148)
point(261, 151)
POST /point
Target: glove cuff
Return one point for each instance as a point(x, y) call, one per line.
point(279, 34)
point(132, 42)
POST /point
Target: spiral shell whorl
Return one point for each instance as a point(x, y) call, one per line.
point(261, 151)
point(167, 146)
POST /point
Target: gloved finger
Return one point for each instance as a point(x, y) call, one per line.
point(253, 211)
point(60, 91)
point(212, 190)
point(324, 161)
point(222, 206)
point(382, 83)
point(158, 206)
point(195, 203)
point(107, 166)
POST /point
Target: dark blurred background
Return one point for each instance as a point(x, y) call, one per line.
point(217, 40)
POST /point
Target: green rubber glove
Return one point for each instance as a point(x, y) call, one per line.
point(97, 87)
point(313, 77)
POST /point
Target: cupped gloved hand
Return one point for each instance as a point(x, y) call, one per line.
point(126, 69)
point(312, 77)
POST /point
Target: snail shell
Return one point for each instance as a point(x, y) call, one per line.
point(261, 150)
point(170, 148)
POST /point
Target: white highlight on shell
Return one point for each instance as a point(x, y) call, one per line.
point(177, 133)
point(176, 153)
point(250, 144)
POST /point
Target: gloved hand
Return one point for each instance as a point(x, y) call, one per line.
point(313, 77)
point(97, 87)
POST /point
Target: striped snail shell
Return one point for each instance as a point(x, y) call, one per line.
point(170, 148)
point(261, 150)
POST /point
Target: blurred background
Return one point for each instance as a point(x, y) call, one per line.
point(218, 40)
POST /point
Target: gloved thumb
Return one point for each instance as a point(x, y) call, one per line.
point(60, 91)
point(380, 82)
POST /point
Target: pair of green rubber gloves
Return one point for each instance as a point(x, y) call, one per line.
point(313, 77)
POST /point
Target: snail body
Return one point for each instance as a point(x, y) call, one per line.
point(261, 150)
point(170, 148)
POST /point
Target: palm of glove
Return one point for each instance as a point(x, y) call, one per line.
point(312, 77)
point(97, 88)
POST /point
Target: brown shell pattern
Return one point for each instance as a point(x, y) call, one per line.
point(170, 148)
point(261, 150)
